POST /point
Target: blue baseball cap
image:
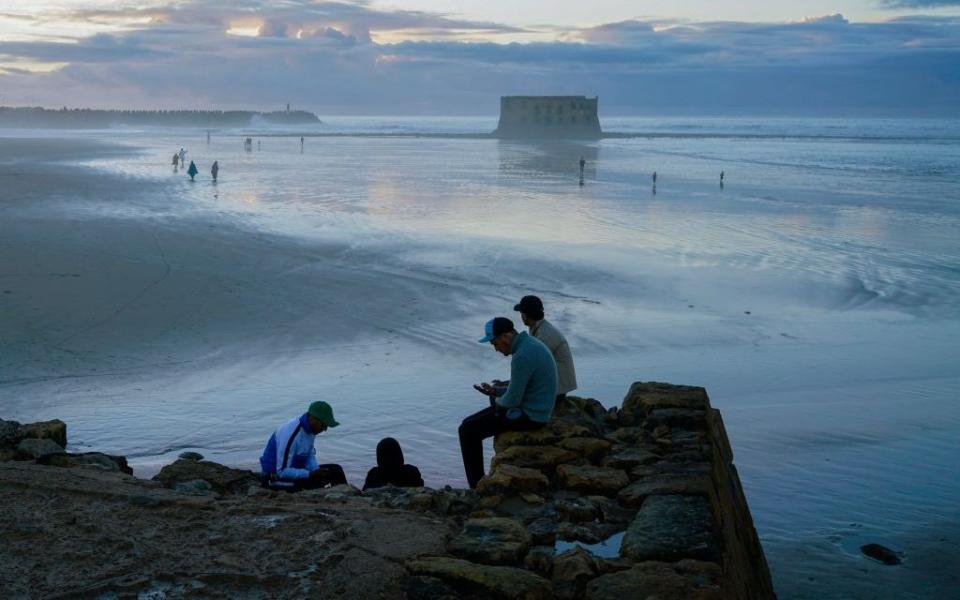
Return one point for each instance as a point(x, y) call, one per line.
point(495, 327)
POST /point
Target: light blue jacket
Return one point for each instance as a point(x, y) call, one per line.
point(533, 380)
point(289, 452)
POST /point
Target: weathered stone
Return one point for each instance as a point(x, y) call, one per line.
point(9, 434)
point(543, 530)
point(629, 436)
point(671, 468)
point(685, 580)
point(537, 437)
point(420, 502)
point(504, 583)
point(55, 430)
point(590, 407)
point(629, 458)
point(92, 460)
point(642, 398)
point(507, 479)
point(591, 448)
point(577, 509)
point(496, 541)
point(589, 533)
point(881, 553)
point(683, 418)
point(670, 528)
point(197, 486)
point(223, 480)
point(689, 485)
point(543, 458)
point(571, 572)
point(191, 456)
point(660, 431)
point(592, 480)
point(517, 506)
point(38, 448)
point(540, 560)
point(449, 501)
point(533, 499)
point(428, 588)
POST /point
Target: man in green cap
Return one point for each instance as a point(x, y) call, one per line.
point(289, 461)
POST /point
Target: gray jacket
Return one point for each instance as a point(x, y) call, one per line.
point(544, 331)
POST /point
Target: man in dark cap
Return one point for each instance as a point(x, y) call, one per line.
point(289, 460)
point(525, 403)
point(531, 312)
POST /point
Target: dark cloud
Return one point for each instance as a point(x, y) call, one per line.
point(324, 56)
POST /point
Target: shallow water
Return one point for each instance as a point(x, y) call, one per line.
point(814, 296)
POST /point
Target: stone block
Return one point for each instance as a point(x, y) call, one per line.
point(55, 430)
point(223, 480)
point(601, 481)
point(685, 580)
point(496, 541)
point(689, 485)
point(572, 570)
point(37, 449)
point(671, 528)
point(508, 479)
point(543, 458)
point(9, 434)
point(591, 448)
point(502, 583)
point(629, 458)
point(645, 397)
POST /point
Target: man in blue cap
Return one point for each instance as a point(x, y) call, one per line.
point(289, 461)
point(525, 403)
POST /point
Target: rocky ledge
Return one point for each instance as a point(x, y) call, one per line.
point(636, 501)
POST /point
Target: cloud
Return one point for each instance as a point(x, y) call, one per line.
point(919, 3)
point(336, 58)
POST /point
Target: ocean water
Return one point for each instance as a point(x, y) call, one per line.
point(814, 295)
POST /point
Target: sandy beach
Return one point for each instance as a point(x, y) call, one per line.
point(155, 316)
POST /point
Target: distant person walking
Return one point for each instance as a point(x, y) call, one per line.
point(183, 156)
point(390, 469)
point(214, 170)
point(208, 137)
point(721, 179)
point(654, 177)
point(583, 164)
point(176, 161)
point(301, 143)
point(192, 171)
point(289, 460)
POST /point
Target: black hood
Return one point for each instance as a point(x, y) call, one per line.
point(389, 454)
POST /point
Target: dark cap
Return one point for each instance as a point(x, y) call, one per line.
point(496, 327)
point(529, 305)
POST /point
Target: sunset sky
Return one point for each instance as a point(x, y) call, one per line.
point(844, 57)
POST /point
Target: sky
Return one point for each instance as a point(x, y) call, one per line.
point(420, 57)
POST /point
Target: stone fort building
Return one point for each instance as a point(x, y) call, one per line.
point(548, 117)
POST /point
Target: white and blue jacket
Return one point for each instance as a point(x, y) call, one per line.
point(290, 453)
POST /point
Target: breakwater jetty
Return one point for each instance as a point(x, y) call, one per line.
point(632, 501)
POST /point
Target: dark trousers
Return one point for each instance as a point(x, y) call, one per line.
point(478, 427)
point(332, 474)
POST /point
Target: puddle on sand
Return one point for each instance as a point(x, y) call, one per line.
point(608, 548)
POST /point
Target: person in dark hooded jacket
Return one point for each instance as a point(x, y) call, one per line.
point(390, 469)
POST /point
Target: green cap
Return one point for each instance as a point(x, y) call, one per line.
point(321, 410)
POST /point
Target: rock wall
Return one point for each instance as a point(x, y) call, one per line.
point(548, 117)
point(636, 501)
